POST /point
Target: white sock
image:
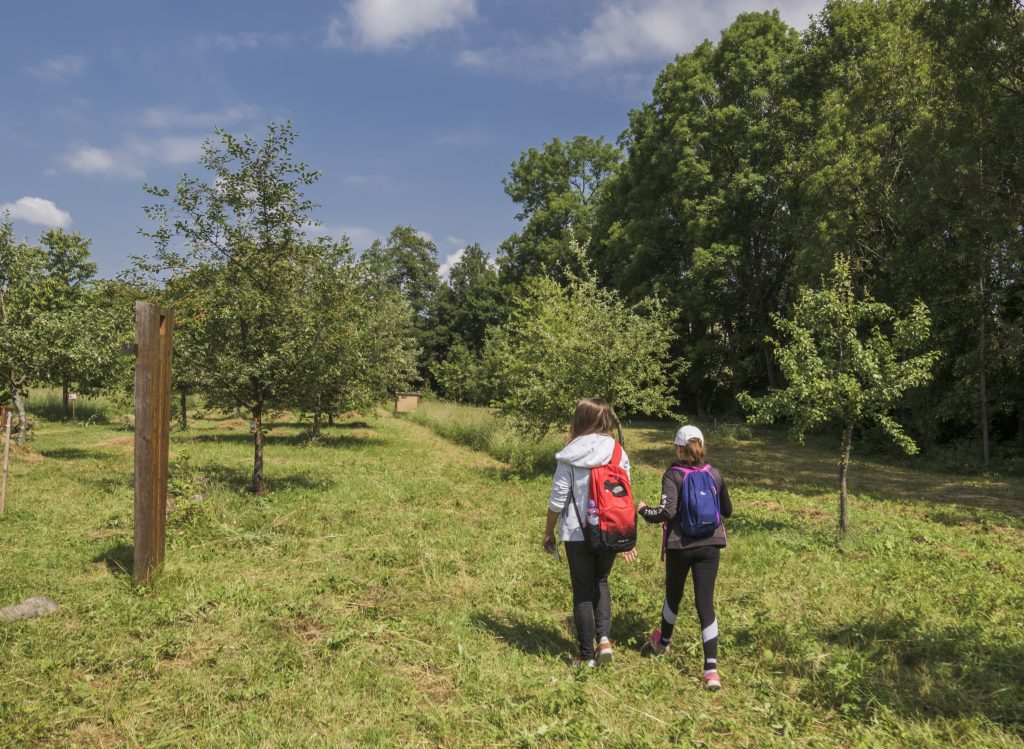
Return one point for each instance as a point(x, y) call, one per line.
point(603, 640)
point(710, 671)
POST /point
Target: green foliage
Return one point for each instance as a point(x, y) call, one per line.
point(563, 343)
point(462, 376)
point(471, 301)
point(698, 212)
point(407, 262)
point(558, 189)
point(846, 361)
point(243, 270)
point(362, 345)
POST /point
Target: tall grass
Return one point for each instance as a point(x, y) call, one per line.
point(48, 403)
point(483, 430)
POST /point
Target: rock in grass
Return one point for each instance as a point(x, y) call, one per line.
point(32, 608)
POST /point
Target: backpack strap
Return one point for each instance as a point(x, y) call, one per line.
point(572, 498)
point(616, 455)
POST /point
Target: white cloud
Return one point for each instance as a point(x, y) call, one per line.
point(172, 117)
point(380, 24)
point(130, 159)
point(60, 68)
point(38, 211)
point(449, 262)
point(172, 150)
point(628, 32)
point(457, 241)
point(425, 235)
point(92, 160)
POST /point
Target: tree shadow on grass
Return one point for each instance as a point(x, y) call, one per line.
point(297, 439)
point(748, 524)
point(119, 559)
point(72, 453)
point(530, 637)
point(240, 479)
point(916, 669)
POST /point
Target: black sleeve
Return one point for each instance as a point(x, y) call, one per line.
point(666, 510)
point(723, 495)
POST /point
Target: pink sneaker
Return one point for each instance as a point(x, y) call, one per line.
point(656, 645)
point(712, 681)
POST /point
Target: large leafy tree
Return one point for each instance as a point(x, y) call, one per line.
point(22, 274)
point(81, 321)
point(558, 189)
point(566, 342)
point(363, 340)
point(847, 360)
point(471, 301)
point(243, 248)
point(407, 260)
point(699, 211)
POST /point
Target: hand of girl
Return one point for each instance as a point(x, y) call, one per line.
point(641, 506)
point(548, 544)
point(629, 556)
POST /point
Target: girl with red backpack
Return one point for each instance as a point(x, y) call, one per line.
point(593, 528)
point(694, 499)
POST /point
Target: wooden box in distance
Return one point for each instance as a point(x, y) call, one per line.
point(406, 402)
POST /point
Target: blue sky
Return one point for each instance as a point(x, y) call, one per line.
point(414, 110)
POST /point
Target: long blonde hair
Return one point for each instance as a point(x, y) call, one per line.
point(593, 416)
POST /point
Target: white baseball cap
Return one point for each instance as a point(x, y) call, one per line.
point(687, 433)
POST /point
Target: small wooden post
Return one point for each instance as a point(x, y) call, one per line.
point(154, 332)
point(7, 457)
point(73, 397)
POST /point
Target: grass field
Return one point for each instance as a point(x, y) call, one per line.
point(390, 591)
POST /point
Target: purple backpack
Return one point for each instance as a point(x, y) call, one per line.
point(699, 511)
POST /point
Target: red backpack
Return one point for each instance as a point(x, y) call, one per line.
point(611, 514)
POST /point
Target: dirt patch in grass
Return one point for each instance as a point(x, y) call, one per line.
point(429, 681)
point(305, 629)
point(233, 424)
point(96, 733)
point(26, 454)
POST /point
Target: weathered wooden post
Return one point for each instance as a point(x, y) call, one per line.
point(7, 456)
point(154, 333)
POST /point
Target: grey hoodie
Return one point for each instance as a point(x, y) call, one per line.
point(574, 463)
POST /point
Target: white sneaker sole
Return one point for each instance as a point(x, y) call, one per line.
point(604, 657)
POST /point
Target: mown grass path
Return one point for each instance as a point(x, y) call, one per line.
point(390, 591)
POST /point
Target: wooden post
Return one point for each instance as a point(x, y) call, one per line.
point(7, 457)
point(154, 332)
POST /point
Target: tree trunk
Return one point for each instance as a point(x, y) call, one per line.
point(19, 403)
point(315, 431)
point(330, 419)
point(982, 367)
point(844, 467)
point(257, 461)
point(183, 416)
point(67, 404)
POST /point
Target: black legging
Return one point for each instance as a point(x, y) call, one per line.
point(591, 600)
point(703, 560)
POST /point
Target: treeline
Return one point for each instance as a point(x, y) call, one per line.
point(889, 132)
point(886, 138)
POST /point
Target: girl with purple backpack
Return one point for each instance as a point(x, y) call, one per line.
point(694, 499)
